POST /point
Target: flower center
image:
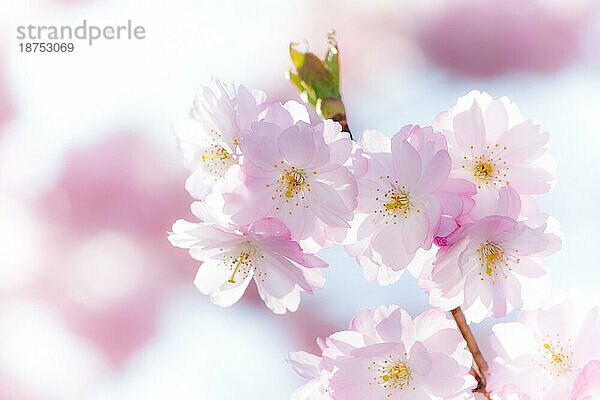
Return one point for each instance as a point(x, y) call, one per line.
point(396, 202)
point(242, 263)
point(483, 170)
point(216, 159)
point(398, 375)
point(557, 358)
point(220, 154)
point(494, 260)
point(391, 373)
point(293, 182)
point(488, 168)
point(399, 202)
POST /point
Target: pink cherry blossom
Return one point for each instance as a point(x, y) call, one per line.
point(587, 383)
point(209, 137)
point(232, 256)
point(298, 175)
point(542, 356)
point(492, 146)
point(493, 267)
point(387, 355)
point(6, 104)
point(405, 200)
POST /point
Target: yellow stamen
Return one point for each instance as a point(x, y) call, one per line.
point(399, 374)
point(294, 181)
point(558, 358)
point(399, 202)
point(555, 357)
point(220, 153)
point(492, 254)
point(483, 170)
point(243, 258)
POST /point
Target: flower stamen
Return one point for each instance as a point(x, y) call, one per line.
point(220, 153)
point(392, 374)
point(242, 259)
point(217, 159)
point(399, 375)
point(399, 202)
point(495, 261)
point(488, 168)
point(396, 202)
point(557, 357)
point(294, 182)
point(483, 170)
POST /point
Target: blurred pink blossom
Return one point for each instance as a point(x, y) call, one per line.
point(6, 105)
point(587, 383)
point(490, 37)
point(124, 182)
point(109, 264)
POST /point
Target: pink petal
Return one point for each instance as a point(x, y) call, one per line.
point(392, 328)
point(509, 202)
point(530, 179)
point(279, 116)
point(435, 172)
point(297, 145)
point(469, 129)
point(261, 145)
point(587, 383)
point(415, 229)
point(419, 359)
point(496, 120)
point(524, 142)
point(270, 227)
point(353, 380)
point(406, 161)
point(305, 364)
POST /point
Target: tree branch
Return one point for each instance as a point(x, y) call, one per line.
point(341, 118)
point(480, 362)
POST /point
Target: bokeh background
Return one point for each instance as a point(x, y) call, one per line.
point(95, 304)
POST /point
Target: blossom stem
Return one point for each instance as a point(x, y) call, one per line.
point(341, 119)
point(480, 362)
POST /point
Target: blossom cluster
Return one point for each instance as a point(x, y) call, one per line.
point(273, 185)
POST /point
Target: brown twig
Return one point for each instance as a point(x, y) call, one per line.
point(341, 118)
point(482, 365)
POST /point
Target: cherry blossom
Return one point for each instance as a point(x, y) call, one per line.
point(494, 267)
point(233, 255)
point(209, 138)
point(297, 174)
point(405, 200)
point(492, 146)
point(387, 355)
point(543, 354)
